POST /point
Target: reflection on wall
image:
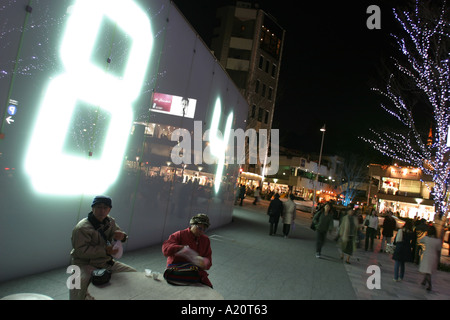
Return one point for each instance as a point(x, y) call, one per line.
point(49, 142)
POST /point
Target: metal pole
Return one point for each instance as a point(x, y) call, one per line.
point(318, 167)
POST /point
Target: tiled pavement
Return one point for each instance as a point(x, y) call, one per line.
point(407, 289)
point(248, 264)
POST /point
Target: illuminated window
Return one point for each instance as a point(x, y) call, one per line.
point(410, 186)
point(390, 186)
point(270, 37)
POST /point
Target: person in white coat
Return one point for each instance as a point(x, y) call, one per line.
point(430, 258)
point(371, 222)
point(288, 215)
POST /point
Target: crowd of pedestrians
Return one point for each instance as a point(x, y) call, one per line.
point(409, 241)
point(415, 241)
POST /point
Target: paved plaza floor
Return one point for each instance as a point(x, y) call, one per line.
point(248, 264)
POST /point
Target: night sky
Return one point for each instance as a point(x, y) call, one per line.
point(331, 60)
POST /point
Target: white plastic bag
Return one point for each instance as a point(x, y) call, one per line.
point(117, 244)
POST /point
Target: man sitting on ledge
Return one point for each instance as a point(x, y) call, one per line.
point(188, 253)
point(92, 249)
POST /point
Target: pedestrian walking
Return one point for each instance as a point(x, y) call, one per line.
point(348, 233)
point(241, 193)
point(257, 195)
point(421, 230)
point(431, 256)
point(389, 225)
point(288, 215)
point(338, 215)
point(323, 221)
point(371, 223)
point(403, 247)
point(360, 218)
point(274, 211)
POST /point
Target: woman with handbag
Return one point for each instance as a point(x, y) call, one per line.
point(189, 253)
point(403, 247)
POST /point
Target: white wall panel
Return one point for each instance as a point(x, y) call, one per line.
point(36, 225)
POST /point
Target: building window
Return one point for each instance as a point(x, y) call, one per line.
point(270, 93)
point(261, 62)
point(266, 118)
point(274, 70)
point(409, 188)
point(390, 185)
point(267, 66)
point(270, 38)
point(257, 86)
point(263, 92)
point(260, 114)
point(253, 111)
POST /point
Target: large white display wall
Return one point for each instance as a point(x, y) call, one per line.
point(91, 94)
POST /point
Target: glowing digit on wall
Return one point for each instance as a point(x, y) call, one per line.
point(51, 170)
point(219, 146)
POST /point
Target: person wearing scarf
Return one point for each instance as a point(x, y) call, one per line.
point(91, 245)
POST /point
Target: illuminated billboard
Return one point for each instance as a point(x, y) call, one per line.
point(90, 93)
point(173, 105)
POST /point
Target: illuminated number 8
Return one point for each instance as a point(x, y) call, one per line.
point(86, 82)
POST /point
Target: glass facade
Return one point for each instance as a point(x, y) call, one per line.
point(404, 191)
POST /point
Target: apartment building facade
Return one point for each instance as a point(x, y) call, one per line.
point(248, 43)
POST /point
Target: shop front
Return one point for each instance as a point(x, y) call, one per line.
point(408, 210)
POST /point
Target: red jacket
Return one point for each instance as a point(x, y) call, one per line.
point(183, 238)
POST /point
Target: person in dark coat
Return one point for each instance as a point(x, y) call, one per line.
point(389, 225)
point(323, 220)
point(241, 193)
point(275, 210)
point(403, 248)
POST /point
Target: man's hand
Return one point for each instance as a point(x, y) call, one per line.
point(119, 235)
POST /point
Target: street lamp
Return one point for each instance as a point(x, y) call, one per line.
point(318, 167)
